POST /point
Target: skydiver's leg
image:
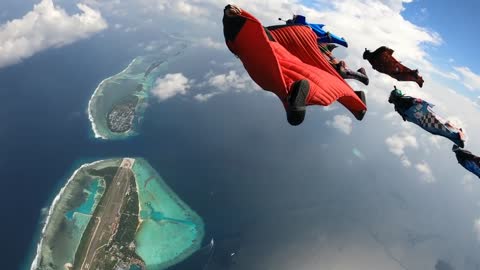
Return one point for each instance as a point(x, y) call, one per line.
point(347, 73)
point(445, 129)
point(354, 106)
point(297, 101)
point(408, 75)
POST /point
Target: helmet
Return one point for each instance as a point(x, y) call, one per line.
point(394, 94)
point(366, 54)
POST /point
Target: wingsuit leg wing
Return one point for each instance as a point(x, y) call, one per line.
point(301, 42)
point(422, 115)
point(275, 69)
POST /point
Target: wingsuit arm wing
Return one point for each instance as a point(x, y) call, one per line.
point(401, 114)
point(389, 51)
point(384, 49)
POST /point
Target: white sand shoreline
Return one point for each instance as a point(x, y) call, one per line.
point(35, 262)
point(94, 95)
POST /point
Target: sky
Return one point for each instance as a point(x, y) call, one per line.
point(387, 146)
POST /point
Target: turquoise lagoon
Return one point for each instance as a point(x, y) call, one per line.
point(170, 230)
point(69, 216)
point(135, 81)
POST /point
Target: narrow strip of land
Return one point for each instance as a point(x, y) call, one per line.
point(107, 216)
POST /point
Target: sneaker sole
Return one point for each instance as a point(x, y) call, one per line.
point(362, 97)
point(299, 94)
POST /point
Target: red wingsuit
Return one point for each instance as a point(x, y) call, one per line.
point(275, 69)
point(383, 61)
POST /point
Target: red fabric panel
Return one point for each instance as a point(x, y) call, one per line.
point(260, 59)
point(301, 41)
point(275, 67)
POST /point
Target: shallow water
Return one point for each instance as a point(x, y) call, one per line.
point(65, 226)
point(142, 71)
point(88, 206)
point(170, 230)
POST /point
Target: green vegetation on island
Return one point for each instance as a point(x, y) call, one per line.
point(108, 241)
point(117, 214)
point(117, 105)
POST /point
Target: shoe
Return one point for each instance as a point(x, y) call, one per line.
point(297, 98)
point(362, 113)
point(364, 79)
point(297, 102)
point(420, 82)
point(331, 46)
point(362, 70)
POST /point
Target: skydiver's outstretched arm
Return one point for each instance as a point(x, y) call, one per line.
point(404, 103)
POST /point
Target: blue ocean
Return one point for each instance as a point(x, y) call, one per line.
point(271, 196)
point(199, 151)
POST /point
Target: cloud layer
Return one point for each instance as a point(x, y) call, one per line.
point(425, 171)
point(341, 122)
point(44, 27)
point(398, 143)
point(170, 85)
point(470, 79)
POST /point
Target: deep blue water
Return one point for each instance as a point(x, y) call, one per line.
point(210, 155)
point(234, 159)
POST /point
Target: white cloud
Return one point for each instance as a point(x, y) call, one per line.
point(232, 80)
point(397, 144)
point(189, 9)
point(171, 85)
point(205, 97)
point(44, 27)
point(331, 107)
point(434, 140)
point(342, 123)
point(425, 172)
point(470, 79)
point(476, 228)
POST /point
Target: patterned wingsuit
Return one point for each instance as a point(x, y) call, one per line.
point(420, 112)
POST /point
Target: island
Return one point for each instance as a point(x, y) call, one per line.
point(117, 214)
point(117, 105)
